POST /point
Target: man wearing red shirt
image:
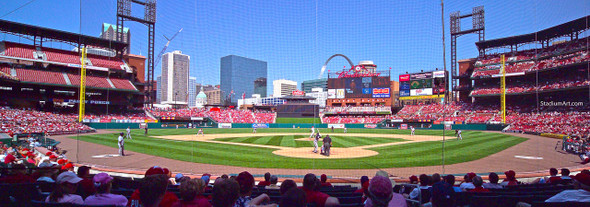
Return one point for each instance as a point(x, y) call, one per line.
point(168, 198)
point(310, 188)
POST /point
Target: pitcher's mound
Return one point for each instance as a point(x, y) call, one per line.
point(307, 152)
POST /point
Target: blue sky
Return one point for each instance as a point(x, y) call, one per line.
point(296, 37)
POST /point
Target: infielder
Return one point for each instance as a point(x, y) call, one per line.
point(413, 130)
point(254, 130)
point(121, 143)
point(315, 142)
point(200, 132)
point(312, 132)
point(459, 135)
point(128, 133)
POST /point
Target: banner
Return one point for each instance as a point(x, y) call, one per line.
point(371, 126)
point(404, 86)
point(259, 125)
point(224, 125)
point(404, 77)
point(438, 74)
point(403, 126)
point(331, 93)
point(421, 97)
point(336, 126)
point(381, 93)
point(340, 93)
point(404, 93)
point(197, 118)
point(421, 92)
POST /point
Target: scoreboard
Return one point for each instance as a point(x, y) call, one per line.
point(422, 85)
point(359, 87)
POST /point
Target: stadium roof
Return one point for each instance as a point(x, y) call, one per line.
point(53, 34)
point(546, 34)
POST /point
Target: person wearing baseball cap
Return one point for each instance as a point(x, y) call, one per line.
point(310, 186)
point(246, 181)
point(381, 193)
point(580, 194)
point(103, 184)
point(67, 183)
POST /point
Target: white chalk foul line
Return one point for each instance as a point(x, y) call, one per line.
point(528, 157)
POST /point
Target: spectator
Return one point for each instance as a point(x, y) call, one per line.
point(18, 174)
point(87, 184)
point(273, 183)
point(324, 179)
point(168, 199)
point(580, 194)
point(510, 178)
point(152, 190)
point(103, 196)
point(286, 185)
point(424, 182)
point(225, 193)
point(493, 184)
point(313, 195)
point(443, 193)
point(467, 185)
point(435, 178)
point(450, 179)
point(266, 181)
point(478, 182)
point(553, 178)
point(565, 174)
point(189, 193)
point(364, 181)
point(413, 179)
point(294, 197)
point(381, 194)
point(246, 181)
point(67, 182)
point(46, 174)
point(206, 178)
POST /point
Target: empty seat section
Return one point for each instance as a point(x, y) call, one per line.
point(40, 76)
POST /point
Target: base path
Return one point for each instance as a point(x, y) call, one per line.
point(83, 153)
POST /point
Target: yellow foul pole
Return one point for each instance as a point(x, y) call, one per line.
point(82, 104)
point(503, 92)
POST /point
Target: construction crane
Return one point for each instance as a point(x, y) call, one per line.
point(159, 58)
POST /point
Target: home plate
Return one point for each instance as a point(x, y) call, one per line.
point(528, 157)
point(105, 156)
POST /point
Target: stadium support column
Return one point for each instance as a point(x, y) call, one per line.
point(82, 104)
point(503, 95)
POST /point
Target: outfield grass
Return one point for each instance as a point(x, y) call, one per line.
point(289, 140)
point(475, 145)
point(299, 120)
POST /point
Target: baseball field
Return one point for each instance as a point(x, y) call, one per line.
point(292, 148)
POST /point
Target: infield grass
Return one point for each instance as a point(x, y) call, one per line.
point(475, 145)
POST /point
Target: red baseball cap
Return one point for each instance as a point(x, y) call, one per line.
point(49, 153)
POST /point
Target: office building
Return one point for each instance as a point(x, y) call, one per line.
point(109, 32)
point(238, 76)
point(159, 90)
point(283, 87)
point(307, 85)
point(175, 76)
point(192, 91)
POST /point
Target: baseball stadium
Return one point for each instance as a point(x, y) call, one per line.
point(310, 103)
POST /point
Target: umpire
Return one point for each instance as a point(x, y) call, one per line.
point(327, 144)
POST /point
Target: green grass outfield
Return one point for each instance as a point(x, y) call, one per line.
point(475, 145)
point(290, 140)
point(299, 120)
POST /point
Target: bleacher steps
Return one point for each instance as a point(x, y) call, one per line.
point(66, 78)
point(111, 83)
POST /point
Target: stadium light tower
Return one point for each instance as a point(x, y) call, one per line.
point(478, 23)
point(149, 19)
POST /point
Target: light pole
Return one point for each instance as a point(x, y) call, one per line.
point(175, 97)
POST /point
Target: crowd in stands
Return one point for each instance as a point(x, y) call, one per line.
point(529, 66)
point(17, 121)
point(357, 109)
point(132, 117)
point(527, 88)
point(220, 116)
point(355, 119)
point(49, 178)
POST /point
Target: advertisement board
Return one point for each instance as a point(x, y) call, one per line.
point(336, 126)
point(421, 92)
point(224, 125)
point(353, 87)
point(404, 85)
point(438, 74)
point(404, 77)
point(340, 93)
point(404, 93)
point(259, 125)
point(416, 76)
point(381, 93)
point(403, 126)
point(371, 126)
point(331, 93)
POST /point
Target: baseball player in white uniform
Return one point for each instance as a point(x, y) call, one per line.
point(129, 133)
point(413, 130)
point(312, 132)
point(121, 143)
point(315, 143)
point(459, 135)
point(200, 132)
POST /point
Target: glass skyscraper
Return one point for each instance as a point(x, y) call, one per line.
point(238, 76)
